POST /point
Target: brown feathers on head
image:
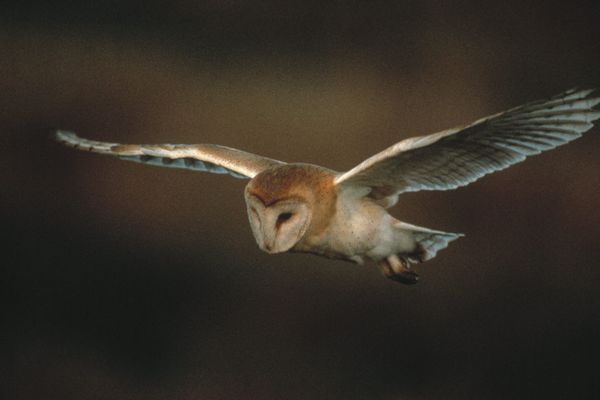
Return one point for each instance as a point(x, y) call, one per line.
point(310, 183)
point(290, 181)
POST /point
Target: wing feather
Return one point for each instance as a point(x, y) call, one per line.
point(198, 157)
point(456, 157)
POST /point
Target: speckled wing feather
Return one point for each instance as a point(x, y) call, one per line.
point(198, 157)
point(457, 157)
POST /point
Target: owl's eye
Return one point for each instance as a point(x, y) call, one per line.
point(283, 217)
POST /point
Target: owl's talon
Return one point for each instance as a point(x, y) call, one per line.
point(406, 277)
point(398, 269)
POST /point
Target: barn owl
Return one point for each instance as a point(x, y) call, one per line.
point(343, 215)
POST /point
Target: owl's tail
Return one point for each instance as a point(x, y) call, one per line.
point(425, 244)
point(429, 241)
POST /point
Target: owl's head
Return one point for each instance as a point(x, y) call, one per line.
point(281, 202)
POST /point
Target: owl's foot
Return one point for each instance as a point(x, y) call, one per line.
point(398, 269)
point(407, 277)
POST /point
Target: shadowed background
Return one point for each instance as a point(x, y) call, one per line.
point(124, 281)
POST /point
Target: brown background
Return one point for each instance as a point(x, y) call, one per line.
point(123, 281)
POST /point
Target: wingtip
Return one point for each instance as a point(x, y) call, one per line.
point(588, 91)
point(585, 93)
point(574, 93)
point(62, 135)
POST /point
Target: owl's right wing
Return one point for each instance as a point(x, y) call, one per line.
point(199, 157)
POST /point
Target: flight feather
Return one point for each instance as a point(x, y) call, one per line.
point(199, 157)
point(456, 157)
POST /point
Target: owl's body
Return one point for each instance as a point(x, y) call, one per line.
point(344, 223)
point(341, 225)
point(312, 209)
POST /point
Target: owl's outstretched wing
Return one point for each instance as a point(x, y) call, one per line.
point(198, 157)
point(456, 157)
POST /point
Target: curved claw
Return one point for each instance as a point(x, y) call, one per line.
point(406, 277)
point(398, 269)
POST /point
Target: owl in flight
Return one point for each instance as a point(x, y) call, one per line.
point(343, 215)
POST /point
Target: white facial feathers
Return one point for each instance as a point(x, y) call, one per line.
point(278, 227)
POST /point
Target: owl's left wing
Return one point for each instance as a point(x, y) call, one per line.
point(199, 157)
point(456, 157)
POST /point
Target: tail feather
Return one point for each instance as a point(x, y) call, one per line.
point(429, 241)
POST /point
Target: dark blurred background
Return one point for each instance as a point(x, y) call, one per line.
point(124, 281)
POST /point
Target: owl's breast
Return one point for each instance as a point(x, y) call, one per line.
point(356, 227)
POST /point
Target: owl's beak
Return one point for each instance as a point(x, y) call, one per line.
point(269, 247)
